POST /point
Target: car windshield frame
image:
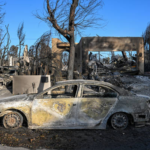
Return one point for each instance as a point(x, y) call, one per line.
point(101, 85)
point(53, 87)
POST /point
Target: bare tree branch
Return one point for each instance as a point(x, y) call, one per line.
point(4, 50)
point(68, 16)
point(2, 14)
point(146, 36)
point(52, 19)
point(21, 37)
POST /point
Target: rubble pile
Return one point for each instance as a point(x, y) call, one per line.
point(112, 72)
point(143, 78)
point(5, 79)
point(121, 63)
point(115, 80)
point(6, 75)
point(97, 71)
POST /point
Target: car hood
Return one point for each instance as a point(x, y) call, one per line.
point(15, 98)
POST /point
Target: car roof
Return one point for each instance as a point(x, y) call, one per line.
point(121, 91)
point(77, 81)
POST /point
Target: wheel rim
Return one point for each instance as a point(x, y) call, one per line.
point(12, 120)
point(119, 121)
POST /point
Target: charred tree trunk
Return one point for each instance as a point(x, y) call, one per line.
point(67, 16)
point(71, 41)
point(124, 56)
point(19, 55)
point(71, 58)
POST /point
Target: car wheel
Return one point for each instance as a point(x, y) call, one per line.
point(119, 121)
point(13, 120)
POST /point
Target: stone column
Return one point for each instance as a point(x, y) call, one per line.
point(140, 57)
point(25, 55)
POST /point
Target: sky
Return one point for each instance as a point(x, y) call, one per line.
point(122, 18)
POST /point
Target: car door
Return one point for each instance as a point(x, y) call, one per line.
point(57, 109)
point(95, 103)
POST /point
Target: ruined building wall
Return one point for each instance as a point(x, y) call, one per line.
point(87, 44)
point(56, 52)
point(58, 47)
point(112, 44)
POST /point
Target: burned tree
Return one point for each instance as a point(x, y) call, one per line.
point(13, 51)
point(39, 54)
point(4, 49)
point(31, 51)
point(66, 17)
point(42, 61)
point(2, 37)
point(2, 14)
point(146, 37)
point(21, 37)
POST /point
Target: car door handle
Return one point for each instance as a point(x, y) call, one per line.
point(74, 104)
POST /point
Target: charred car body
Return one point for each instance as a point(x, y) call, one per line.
point(89, 104)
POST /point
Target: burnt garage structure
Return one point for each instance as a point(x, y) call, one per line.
point(87, 44)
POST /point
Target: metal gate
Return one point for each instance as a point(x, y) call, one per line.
point(147, 62)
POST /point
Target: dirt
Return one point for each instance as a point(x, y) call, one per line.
point(129, 139)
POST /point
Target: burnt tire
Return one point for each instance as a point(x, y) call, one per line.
point(12, 120)
point(119, 121)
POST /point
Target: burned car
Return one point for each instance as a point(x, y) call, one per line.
point(88, 105)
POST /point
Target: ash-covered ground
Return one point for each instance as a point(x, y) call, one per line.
point(132, 138)
point(137, 84)
point(129, 139)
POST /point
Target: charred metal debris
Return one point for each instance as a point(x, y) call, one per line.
point(111, 71)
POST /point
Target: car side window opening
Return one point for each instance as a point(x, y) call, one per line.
point(98, 91)
point(61, 92)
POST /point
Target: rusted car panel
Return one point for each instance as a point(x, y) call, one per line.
point(135, 106)
point(95, 110)
point(54, 113)
point(87, 106)
point(22, 103)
